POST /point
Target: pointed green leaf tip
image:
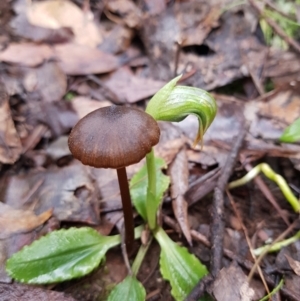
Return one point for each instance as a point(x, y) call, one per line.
point(291, 133)
point(175, 103)
point(130, 289)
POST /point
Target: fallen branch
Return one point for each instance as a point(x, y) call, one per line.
point(217, 227)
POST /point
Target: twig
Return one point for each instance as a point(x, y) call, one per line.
point(294, 44)
point(177, 55)
point(217, 227)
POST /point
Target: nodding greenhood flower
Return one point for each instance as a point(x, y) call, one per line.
point(175, 103)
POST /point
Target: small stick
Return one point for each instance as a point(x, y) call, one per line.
point(217, 227)
point(177, 55)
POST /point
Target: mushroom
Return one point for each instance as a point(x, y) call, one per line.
point(115, 137)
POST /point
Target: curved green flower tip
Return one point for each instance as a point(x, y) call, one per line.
point(175, 103)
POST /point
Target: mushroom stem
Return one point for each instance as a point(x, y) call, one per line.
point(127, 208)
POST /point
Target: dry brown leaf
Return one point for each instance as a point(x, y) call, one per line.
point(127, 10)
point(58, 116)
point(10, 144)
point(26, 54)
point(232, 285)
point(77, 59)
point(268, 119)
point(131, 88)
point(47, 80)
point(196, 21)
point(69, 191)
point(295, 264)
point(58, 148)
point(179, 174)
point(171, 141)
point(23, 28)
point(155, 7)
point(84, 105)
point(117, 40)
point(19, 221)
point(55, 14)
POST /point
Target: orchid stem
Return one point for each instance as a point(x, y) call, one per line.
point(151, 190)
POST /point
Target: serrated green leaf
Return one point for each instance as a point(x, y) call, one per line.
point(291, 133)
point(60, 255)
point(175, 103)
point(181, 268)
point(139, 184)
point(130, 289)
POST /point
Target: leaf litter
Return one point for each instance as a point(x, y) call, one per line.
point(57, 65)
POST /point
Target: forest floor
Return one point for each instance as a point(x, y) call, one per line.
point(58, 62)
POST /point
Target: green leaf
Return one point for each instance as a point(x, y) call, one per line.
point(181, 268)
point(291, 133)
point(174, 103)
point(60, 255)
point(139, 184)
point(130, 289)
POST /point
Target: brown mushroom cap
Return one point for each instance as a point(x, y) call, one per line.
point(113, 137)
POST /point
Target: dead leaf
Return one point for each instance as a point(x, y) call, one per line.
point(179, 174)
point(58, 148)
point(117, 40)
point(295, 265)
point(84, 105)
point(269, 118)
point(202, 186)
point(17, 292)
point(281, 66)
point(69, 191)
point(131, 88)
point(291, 282)
point(48, 81)
point(196, 19)
point(127, 10)
point(171, 141)
point(57, 116)
point(19, 221)
point(108, 184)
point(154, 7)
point(26, 54)
point(23, 28)
point(10, 144)
point(232, 285)
point(109, 221)
point(55, 14)
point(80, 60)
